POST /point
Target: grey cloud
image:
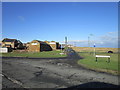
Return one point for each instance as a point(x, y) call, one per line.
point(110, 39)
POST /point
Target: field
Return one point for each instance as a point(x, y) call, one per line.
point(102, 65)
point(91, 49)
point(48, 54)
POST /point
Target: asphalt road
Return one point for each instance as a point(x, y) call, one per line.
point(54, 73)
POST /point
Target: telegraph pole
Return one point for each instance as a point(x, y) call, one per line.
point(94, 49)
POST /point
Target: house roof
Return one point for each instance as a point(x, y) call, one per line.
point(8, 40)
point(39, 41)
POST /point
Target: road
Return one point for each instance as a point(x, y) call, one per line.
point(52, 73)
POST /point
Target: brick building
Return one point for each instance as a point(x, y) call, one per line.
point(12, 43)
point(38, 46)
point(54, 45)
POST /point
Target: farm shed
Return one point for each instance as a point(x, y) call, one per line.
point(38, 46)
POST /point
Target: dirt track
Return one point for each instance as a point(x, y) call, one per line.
point(52, 73)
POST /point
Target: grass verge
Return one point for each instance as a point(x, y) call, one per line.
point(88, 61)
point(47, 54)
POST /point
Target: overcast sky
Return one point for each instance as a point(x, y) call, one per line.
point(27, 21)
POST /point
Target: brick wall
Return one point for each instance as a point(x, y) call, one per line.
point(34, 46)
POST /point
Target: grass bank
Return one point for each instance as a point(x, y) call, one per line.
point(88, 61)
point(47, 54)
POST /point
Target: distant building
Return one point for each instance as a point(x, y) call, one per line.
point(38, 46)
point(12, 43)
point(69, 45)
point(26, 45)
point(62, 46)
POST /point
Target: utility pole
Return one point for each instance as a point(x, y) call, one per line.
point(94, 49)
point(89, 40)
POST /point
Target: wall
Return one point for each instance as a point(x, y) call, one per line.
point(34, 46)
point(9, 43)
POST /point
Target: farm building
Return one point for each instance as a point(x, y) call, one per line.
point(38, 46)
point(12, 43)
point(54, 45)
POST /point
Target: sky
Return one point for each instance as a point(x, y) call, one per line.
point(53, 21)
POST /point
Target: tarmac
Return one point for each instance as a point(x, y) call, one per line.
point(55, 73)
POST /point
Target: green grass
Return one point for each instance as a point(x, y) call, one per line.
point(88, 61)
point(47, 54)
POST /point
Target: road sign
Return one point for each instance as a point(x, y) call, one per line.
point(94, 45)
point(94, 48)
